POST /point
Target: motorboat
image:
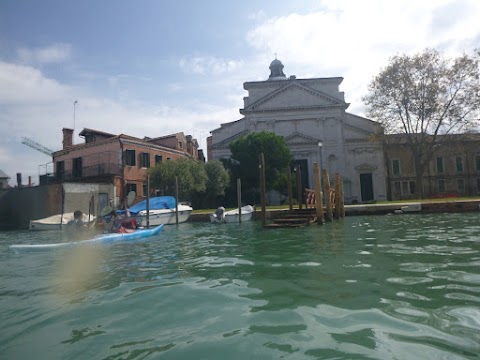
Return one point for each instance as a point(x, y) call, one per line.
point(232, 216)
point(162, 210)
point(55, 222)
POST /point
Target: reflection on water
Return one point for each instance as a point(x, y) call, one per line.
point(380, 287)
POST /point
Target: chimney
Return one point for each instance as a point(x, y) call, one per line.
point(67, 138)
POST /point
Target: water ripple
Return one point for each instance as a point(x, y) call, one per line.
point(378, 287)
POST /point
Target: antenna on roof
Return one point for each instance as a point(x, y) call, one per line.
point(74, 103)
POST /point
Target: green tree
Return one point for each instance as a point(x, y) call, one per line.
point(217, 181)
point(218, 178)
point(244, 163)
point(424, 97)
point(191, 174)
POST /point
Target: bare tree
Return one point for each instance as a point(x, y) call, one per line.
point(425, 97)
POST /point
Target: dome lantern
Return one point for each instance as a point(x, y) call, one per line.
point(276, 70)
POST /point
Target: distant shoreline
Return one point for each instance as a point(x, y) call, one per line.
point(427, 207)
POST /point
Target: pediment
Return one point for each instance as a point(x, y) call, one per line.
point(227, 141)
point(365, 167)
point(294, 95)
point(298, 138)
point(355, 132)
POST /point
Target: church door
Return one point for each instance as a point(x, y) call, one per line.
point(366, 187)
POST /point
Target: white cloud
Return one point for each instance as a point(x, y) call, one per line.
point(257, 16)
point(354, 39)
point(209, 65)
point(52, 54)
point(26, 85)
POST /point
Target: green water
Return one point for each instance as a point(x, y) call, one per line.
point(379, 287)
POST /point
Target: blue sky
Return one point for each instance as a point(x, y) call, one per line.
point(152, 68)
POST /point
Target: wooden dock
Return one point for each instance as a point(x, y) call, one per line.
point(294, 218)
point(314, 211)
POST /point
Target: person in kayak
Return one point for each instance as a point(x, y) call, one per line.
point(77, 228)
point(77, 221)
point(122, 223)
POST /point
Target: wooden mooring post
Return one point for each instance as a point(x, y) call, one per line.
point(328, 198)
point(337, 197)
point(299, 186)
point(239, 200)
point(290, 192)
point(261, 168)
point(342, 201)
point(318, 194)
point(339, 209)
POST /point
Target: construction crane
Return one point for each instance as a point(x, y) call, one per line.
point(34, 145)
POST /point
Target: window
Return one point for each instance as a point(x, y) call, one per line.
point(395, 167)
point(441, 185)
point(144, 189)
point(180, 144)
point(60, 169)
point(130, 157)
point(131, 187)
point(461, 186)
point(77, 167)
point(397, 188)
point(412, 188)
point(169, 158)
point(404, 188)
point(477, 163)
point(459, 164)
point(144, 160)
point(439, 164)
point(158, 159)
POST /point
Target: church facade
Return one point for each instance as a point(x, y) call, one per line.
point(311, 116)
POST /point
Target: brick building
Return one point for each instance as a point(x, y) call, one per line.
point(121, 160)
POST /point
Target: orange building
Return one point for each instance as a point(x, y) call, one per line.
point(121, 160)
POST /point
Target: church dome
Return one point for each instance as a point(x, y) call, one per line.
point(276, 70)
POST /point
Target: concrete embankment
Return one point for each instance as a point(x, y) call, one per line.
point(452, 206)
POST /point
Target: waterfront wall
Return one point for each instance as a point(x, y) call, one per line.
point(452, 206)
point(21, 204)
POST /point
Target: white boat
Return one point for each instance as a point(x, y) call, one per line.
point(162, 210)
point(164, 216)
point(232, 216)
point(53, 222)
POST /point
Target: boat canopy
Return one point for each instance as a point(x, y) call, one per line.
point(156, 203)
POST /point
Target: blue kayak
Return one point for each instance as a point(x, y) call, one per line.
point(100, 239)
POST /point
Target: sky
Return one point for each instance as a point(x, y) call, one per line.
point(153, 67)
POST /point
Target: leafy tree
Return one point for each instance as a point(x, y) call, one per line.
point(191, 174)
point(217, 181)
point(218, 178)
point(424, 97)
point(244, 163)
point(201, 183)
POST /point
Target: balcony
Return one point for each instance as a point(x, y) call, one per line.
point(91, 171)
point(101, 165)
